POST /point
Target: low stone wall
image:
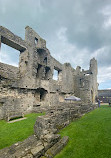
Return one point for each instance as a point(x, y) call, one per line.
point(58, 117)
point(46, 143)
point(33, 148)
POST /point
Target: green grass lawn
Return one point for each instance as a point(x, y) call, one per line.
point(90, 136)
point(11, 133)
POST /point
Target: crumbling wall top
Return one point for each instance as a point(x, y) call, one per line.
point(12, 40)
point(33, 38)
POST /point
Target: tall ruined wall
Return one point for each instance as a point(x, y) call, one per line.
point(67, 79)
point(32, 83)
point(86, 86)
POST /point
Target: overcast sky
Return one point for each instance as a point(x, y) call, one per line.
point(75, 30)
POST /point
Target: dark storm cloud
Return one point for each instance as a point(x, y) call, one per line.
point(84, 21)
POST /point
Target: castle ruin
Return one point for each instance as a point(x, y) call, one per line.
point(31, 86)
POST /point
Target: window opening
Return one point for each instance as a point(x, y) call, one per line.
point(45, 60)
point(39, 70)
point(36, 41)
point(9, 55)
point(55, 75)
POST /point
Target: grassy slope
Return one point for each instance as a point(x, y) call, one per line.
point(11, 133)
point(90, 136)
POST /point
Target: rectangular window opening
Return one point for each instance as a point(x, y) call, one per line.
point(39, 71)
point(36, 41)
point(9, 55)
point(55, 75)
point(45, 60)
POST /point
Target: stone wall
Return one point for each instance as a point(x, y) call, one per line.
point(19, 100)
point(34, 148)
point(46, 143)
point(32, 84)
point(57, 117)
point(8, 71)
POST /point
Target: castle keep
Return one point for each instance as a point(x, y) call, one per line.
point(31, 87)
